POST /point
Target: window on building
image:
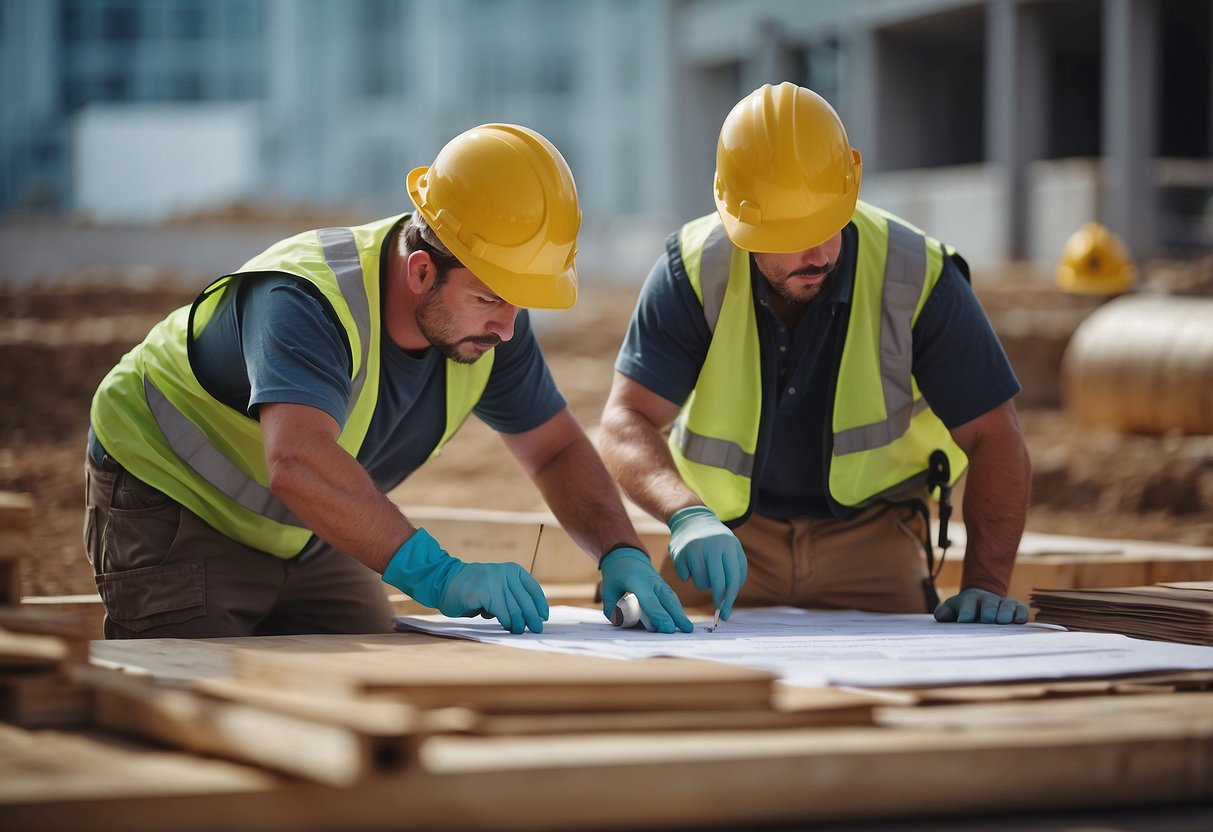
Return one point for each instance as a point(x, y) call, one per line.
point(188, 21)
point(120, 23)
point(380, 69)
point(931, 91)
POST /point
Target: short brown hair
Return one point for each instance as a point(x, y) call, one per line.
point(418, 236)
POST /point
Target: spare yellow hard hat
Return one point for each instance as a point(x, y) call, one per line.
point(503, 200)
point(1094, 262)
point(787, 178)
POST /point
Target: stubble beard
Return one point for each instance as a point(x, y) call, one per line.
point(808, 294)
point(437, 326)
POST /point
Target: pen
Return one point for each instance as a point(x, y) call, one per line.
point(715, 621)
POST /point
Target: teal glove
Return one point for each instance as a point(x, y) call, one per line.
point(706, 551)
point(630, 570)
point(505, 591)
point(979, 606)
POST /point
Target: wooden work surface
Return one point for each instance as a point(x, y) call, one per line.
point(1069, 752)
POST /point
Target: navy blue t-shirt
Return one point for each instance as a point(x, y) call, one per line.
point(275, 340)
point(959, 364)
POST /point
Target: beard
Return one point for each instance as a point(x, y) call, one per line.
point(803, 294)
point(438, 327)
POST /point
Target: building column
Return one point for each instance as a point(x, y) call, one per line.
point(1014, 110)
point(1130, 106)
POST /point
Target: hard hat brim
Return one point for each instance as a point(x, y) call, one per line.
point(788, 236)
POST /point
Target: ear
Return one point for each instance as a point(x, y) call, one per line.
point(419, 272)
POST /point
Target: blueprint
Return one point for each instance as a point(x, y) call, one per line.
point(817, 648)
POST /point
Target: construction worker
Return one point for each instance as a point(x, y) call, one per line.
point(238, 457)
point(812, 353)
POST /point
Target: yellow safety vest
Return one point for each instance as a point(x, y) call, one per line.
point(881, 431)
point(154, 417)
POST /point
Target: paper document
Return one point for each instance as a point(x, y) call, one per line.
point(816, 648)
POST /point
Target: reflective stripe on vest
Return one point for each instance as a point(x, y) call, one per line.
point(196, 450)
point(882, 430)
point(153, 415)
point(906, 265)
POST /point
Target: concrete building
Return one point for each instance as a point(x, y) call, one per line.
point(999, 126)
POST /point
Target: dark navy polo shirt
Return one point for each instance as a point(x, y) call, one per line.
point(275, 340)
point(959, 364)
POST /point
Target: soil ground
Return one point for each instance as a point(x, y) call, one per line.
point(57, 342)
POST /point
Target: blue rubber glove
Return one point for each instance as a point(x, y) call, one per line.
point(977, 606)
point(630, 570)
point(706, 551)
point(505, 591)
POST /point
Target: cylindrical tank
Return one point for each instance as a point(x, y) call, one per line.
point(1143, 364)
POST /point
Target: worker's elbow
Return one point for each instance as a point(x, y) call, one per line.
point(288, 474)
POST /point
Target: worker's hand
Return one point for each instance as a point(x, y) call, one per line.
point(630, 570)
point(977, 606)
point(706, 551)
point(505, 591)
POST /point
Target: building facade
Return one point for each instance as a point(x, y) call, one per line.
point(999, 126)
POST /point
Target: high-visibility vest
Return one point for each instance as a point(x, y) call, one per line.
point(154, 417)
point(881, 432)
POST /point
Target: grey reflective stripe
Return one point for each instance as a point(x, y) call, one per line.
point(718, 453)
point(193, 446)
point(905, 265)
point(196, 450)
point(341, 254)
point(714, 263)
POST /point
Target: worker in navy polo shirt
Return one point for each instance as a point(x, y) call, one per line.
point(822, 368)
point(238, 457)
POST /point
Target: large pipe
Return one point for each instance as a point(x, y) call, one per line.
point(1143, 364)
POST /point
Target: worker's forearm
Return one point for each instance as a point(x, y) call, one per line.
point(637, 456)
point(580, 493)
point(331, 493)
point(995, 505)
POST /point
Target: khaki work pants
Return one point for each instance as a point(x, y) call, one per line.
point(873, 563)
point(164, 573)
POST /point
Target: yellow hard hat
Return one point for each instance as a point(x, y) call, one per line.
point(786, 176)
point(503, 200)
point(1094, 262)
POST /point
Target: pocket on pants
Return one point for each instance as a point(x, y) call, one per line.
point(153, 596)
point(139, 538)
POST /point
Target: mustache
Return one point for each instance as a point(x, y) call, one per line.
point(812, 271)
point(483, 340)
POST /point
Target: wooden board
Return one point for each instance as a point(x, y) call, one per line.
point(329, 751)
point(1012, 759)
point(429, 672)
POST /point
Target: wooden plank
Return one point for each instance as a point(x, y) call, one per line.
point(276, 738)
point(16, 512)
point(10, 580)
point(741, 779)
point(44, 700)
point(72, 628)
point(429, 672)
point(25, 651)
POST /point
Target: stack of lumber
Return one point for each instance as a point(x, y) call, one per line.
point(341, 709)
point(16, 521)
point(37, 650)
point(1181, 611)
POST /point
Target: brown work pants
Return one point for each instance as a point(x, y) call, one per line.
point(874, 563)
point(164, 573)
